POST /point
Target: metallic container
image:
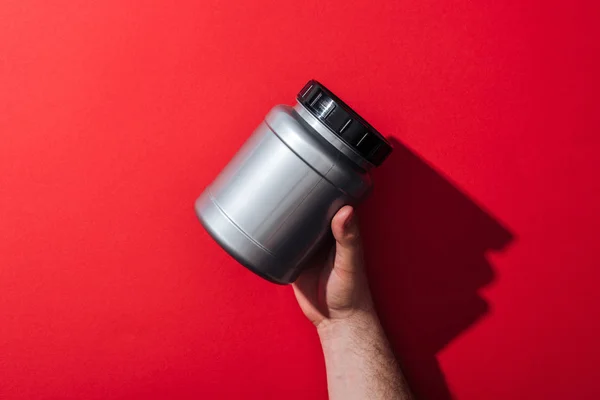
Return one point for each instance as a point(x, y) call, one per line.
point(271, 207)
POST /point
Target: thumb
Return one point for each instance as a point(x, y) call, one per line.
point(348, 246)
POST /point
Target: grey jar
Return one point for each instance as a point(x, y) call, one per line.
point(271, 206)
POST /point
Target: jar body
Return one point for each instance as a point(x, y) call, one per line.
point(272, 205)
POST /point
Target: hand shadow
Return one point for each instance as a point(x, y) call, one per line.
point(426, 245)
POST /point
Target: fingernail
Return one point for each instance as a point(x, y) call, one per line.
point(349, 219)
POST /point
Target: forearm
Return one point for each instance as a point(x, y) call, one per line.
point(359, 360)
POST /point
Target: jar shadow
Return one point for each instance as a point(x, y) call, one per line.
point(426, 244)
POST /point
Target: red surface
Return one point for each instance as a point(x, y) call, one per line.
point(482, 240)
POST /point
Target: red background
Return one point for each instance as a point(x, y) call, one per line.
point(482, 239)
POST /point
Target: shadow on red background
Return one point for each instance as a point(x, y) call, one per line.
point(426, 244)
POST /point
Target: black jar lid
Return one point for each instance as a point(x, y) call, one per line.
point(344, 122)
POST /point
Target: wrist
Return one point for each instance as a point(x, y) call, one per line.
point(356, 324)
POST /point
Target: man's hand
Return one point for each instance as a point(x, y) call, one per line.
point(337, 290)
point(336, 298)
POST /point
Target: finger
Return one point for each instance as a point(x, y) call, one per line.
point(306, 292)
point(347, 236)
point(307, 283)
